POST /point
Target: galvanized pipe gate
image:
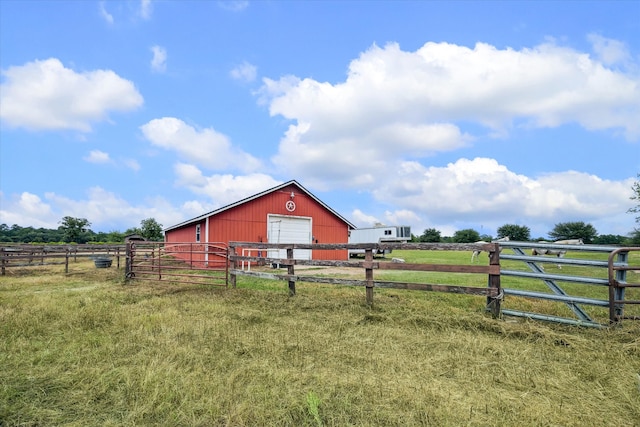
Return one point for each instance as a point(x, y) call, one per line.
point(189, 263)
point(617, 266)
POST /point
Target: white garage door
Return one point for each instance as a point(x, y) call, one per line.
point(287, 229)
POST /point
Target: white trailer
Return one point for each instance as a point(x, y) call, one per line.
point(379, 234)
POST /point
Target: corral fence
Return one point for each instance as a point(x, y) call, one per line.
point(493, 293)
point(614, 280)
point(192, 263)
point(617, 270)
point(28, 255)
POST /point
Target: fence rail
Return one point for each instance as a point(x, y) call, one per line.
point(492, 292)
point(17, 255)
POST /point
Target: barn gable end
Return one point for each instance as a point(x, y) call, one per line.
point(287, 213)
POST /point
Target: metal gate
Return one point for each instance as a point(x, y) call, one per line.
point(192, 263)
point(615, 279)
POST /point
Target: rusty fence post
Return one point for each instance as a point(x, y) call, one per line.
point(291, 272)
point(226, 267)
point(159, 263)
point(368, 272)
point(232, 257)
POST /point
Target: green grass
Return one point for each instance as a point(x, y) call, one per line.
point(86, 350)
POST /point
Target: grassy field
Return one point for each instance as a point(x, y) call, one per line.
point(85, 350)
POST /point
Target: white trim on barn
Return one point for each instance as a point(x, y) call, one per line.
point(289, 229)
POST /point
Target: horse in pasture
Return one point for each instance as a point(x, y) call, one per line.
point(476, 254)
point(560, 253)
point(569, 242)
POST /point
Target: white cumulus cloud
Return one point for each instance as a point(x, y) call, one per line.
point(45, 95)
point(104, 209)
point(221, 189)
point(26, 209)
point(204, 147)
point(404, 105)
point(482, 191)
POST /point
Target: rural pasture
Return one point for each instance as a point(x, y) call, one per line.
point(85, 349)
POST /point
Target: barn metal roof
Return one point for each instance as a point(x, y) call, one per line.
point(255, 196)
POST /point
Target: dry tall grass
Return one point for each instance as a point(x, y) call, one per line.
point(85, 350)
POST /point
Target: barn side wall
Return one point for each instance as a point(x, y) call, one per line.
point(188, 234)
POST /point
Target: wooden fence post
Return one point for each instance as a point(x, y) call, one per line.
point(127, 261)
point(493, 303)
point(291, 272)
point(66, 261)
point(4, 261)
point(368, 257)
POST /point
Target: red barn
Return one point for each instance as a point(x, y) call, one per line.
point(288, 213)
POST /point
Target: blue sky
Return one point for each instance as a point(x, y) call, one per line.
point(446, 115)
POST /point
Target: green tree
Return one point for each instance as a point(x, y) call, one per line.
point(114, 237)
point(5, 233)
point(635, 234)
point(636, 196)
point(133, 230)
point(573, 230)
point(151, 230)
point(609, 239)
point(430, 235)
point(467, 235)
point(75, 229)
point(520, 233)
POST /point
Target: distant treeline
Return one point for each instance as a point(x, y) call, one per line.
point(522, 233)
point(76, 230)
point(602, 239)
point(17, 234)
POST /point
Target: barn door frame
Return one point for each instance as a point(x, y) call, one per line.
point(282, 253)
